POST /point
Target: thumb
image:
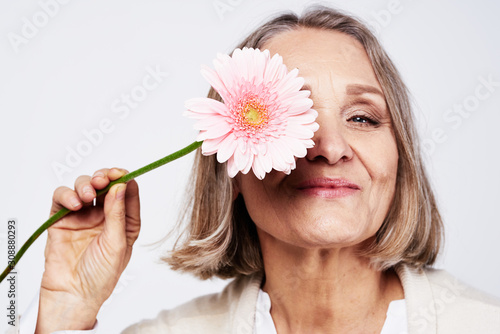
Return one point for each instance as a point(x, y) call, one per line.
point(114, 215)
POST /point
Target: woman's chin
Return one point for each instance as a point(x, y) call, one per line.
point(329, 236)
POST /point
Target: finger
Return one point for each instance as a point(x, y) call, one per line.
point(114, 213)
point(84, 189)
point(100, 181)
point(132, 210)
point(65, 197)
point(100, 178)
point(103, 177)
point(115, 173)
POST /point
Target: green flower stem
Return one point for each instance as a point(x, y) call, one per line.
point(63, 212)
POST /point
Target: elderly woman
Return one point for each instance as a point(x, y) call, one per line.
point(343, 244)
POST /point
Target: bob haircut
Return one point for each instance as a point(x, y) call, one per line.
point(218, 237)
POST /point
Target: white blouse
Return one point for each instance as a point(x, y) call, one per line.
point(395, 322)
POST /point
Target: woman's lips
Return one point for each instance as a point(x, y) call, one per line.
point(328, 188)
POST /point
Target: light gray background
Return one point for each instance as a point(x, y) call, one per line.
point(65, 78)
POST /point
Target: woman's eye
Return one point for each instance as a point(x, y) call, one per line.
point(363, 120)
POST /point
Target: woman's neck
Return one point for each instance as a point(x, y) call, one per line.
point(325, 290)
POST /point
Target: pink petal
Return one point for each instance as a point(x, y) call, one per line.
point(290, 98)
point(284, 150)
point(274, 69)
point(290, 83)
point(201, 136)
point(241, 62)
point(228, 77)
point(242, 144)
point(226, 148)
point(219, 129)
point(299, 131)
point(241, 159)
point(267, 162)
point(210, 146)
point(258, 67)
point(296, 146)
point(305, 118)
point(249, 165)
point(308, 143)
point(205, 105)
point(258, 169)
point(262, 148)
point(231, 168)
point(278, 163)
point(214, 80)
point(209, 122)
point(313, 126)
point(300, 107)
point(288, 170)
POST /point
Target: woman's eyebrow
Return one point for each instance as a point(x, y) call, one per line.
point(358, 89)
point(355, 89)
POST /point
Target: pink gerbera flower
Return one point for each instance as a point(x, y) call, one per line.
point(266, 119)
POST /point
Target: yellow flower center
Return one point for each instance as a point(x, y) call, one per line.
point(253, 115)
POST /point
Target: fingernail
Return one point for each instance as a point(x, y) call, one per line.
point(88, 190)
point(120, 192)
point(75, 202)
point(98, 174)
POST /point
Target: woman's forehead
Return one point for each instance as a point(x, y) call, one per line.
point(323, 53)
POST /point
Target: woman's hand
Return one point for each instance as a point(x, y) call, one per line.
point(87, 250)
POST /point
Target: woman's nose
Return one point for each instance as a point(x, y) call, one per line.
point(330, 142)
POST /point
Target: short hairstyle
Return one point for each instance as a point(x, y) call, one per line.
point(218, 237)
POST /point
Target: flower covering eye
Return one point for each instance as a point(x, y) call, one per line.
point(265, 120)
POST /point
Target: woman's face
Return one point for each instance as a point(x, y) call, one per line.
point(355, 143)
